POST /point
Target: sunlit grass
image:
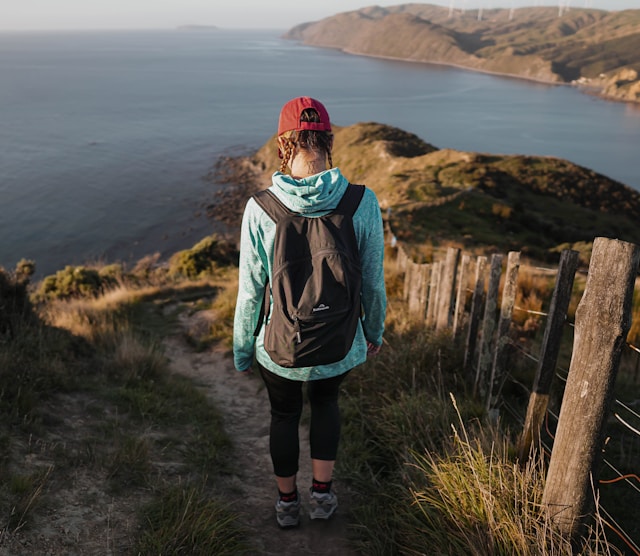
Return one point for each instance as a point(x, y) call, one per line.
point(432, 476)
point(474, 499)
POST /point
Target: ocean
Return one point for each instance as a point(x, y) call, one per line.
point(107, 138)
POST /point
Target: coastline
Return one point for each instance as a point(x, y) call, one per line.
point(585, 89)
point(457, 66)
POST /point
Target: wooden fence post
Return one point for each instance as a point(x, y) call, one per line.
point(413, 285)
point(425, 277)
point(480, 386)
point(401, 260)
point(433, 293)
point(504, 324)
point(557, 315)
point(446, 289)
point(474, 315)
point(417, 290)
point(408, 276)
point(461, 296)
point(603, 319)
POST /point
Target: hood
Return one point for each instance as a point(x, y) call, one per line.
point(318, 193)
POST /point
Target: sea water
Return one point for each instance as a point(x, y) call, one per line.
point(106, 138)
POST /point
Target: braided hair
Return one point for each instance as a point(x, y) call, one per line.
point(306, 140)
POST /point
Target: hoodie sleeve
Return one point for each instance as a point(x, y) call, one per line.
point(252, 278)
point(368, 222)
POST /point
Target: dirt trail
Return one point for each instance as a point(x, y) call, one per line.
point(243, 402)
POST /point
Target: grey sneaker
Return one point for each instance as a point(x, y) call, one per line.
point(288, 513)
point(322, 505)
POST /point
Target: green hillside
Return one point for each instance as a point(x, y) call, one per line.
point(480, 202)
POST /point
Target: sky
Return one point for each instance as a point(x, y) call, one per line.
point(23, 15)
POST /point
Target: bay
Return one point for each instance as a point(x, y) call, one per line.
point(106, 137)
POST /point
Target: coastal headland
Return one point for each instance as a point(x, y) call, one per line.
point(596, 50)
point(480, 202)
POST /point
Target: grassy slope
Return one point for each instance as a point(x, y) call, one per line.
point(104, 447)
point(534, 43)
point(479, 201)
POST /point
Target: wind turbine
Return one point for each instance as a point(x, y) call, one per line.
point(563, 6)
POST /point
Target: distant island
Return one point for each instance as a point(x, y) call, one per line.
point(197, 28)
point(596, 50)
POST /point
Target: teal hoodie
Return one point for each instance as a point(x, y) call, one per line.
point(312, 196)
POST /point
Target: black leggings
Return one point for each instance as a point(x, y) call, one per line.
point(286, 408)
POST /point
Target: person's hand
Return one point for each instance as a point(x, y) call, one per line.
point(372, 349)
point(246, 372)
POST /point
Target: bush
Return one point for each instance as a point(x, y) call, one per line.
point(72, 281)
point(111, 274)
point(25, 270)
point(203, 258)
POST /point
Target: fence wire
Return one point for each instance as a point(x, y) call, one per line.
point(620, 532)
point(630, 479)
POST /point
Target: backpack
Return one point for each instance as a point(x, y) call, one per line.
point(315, 284)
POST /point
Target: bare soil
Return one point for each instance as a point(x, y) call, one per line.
point(243, 401)
point(74, 513)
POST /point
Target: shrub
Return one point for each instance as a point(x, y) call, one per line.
point(72, 281)
point(203, 258)
point(25, 269)
point(111, 274)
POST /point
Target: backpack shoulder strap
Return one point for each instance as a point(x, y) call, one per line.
point(273, 206)
point(275, 209)
point(350, 200)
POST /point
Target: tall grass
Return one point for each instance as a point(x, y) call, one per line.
point(435, 477)
point(26, 491)
point(186, 521)
point(224, 308)
point(474, 499)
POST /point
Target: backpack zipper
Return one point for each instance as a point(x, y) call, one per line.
point(296, 327)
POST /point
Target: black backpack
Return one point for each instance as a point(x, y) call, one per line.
point(316, 283)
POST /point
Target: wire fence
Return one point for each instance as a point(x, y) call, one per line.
point(470, 306)
point(631, 480)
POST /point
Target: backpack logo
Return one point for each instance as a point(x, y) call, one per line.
point(315, 284)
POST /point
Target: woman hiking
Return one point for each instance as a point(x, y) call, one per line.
point(308, 186)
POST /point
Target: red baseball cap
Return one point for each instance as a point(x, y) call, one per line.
point(291, 112)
